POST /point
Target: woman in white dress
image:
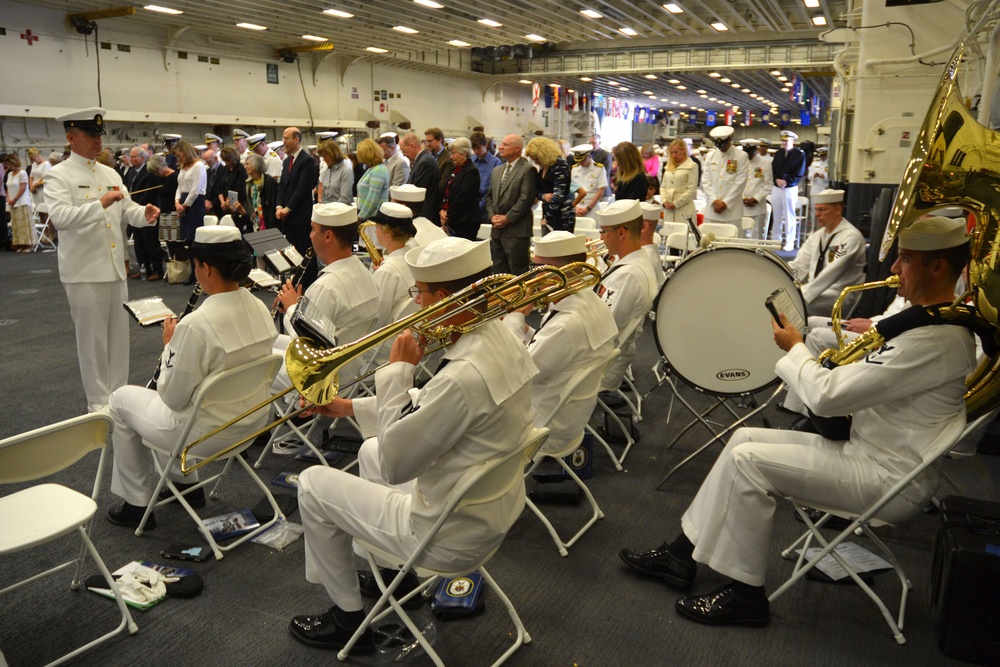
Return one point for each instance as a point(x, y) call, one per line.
point(36, 183)
point(19, 205)
point(679, 184)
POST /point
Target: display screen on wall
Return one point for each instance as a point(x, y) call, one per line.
point(272, 72)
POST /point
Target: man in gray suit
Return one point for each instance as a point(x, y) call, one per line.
point(508, 208)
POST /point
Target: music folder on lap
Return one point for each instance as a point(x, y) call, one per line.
point(149, 311)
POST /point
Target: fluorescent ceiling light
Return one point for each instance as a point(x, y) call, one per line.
point(784, 90)
point(375, 49)
point(673, 8)
point(819, 20)
point(590, 13)
point(314, 38)
point(525, 81)
point(613, 83)
point(775, 72)
point(459, 43)
point(647, 92)
point(673, 81)
point(554, 85)
point(714, 75)
point(570, 90)
point(623, 89)
point(628, 31)
point(650, 76)
point(162, 10)
point(782, 78)
point(535, 38)
point(735, 85)
point(491, 23)
point(403, 28)
point(700, 91)
point(429, 3)
point(726, 80)
point(585, 78)
point(682, 87)
point(339, 13)
point(703, 96)
point(744, 90)
point(251, 26)
point(812, 4)
point(721, 27)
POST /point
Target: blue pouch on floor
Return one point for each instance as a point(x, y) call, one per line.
point(461, 597)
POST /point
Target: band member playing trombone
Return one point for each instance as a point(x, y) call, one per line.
point(231, 327)
point(474, 409)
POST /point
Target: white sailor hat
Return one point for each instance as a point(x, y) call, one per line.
point(934, 233)
point(254, 140)
point(788, 134)
point(209, 138)
point(210, 220)
point(619, 212)
point(227, 221)
point(239, 134)
point(828, 196)
point(822, 149)
point(323, 136)
point(765, 142)
point(397, 216)
point(448, 259)
point(90, 120)
point(559, 244)
point(335, 214)
point(650, 211)
point(275, 145)
point(385, 137)
point(200, 147)
point(408, 192)
point(749, 142)
point(583, 149)
point(310, 147)
point(721, 132)
point(171, 138)
point(217, 234)
point(221, 242)
point(950, 212)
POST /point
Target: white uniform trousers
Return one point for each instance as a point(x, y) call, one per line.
point(759, 228)
point(139, 414)
point(102, 337)
point(336, 505)
point(729, 522)
point(784, 202)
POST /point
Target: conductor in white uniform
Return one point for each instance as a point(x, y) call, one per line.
point(89, 206)
point(902, 396)
point(832, 258)
point(724, 179)
point(230, 328)
point(476, 408)
point(578, 331)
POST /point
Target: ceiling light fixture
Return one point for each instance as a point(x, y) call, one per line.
point(650, 76)
point(251, 26)
point(682, 87)
point(714, 75)
point(162, 10)
point(314, 38)
point(628, 31)
point(775, 72)
point(726, 80)
point(590, 13)
point(585, 78)
point(338, 13)
point(526, 81)
point(375, 49)
point(459, 43)
point(535, 38)
point(819, 20)
point(720, 26)
point(403, 28)
point(429, 3)
point(673, 8)
point(812, 4)
point(491, 23)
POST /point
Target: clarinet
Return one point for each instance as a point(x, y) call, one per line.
point(300, 272)
point(191, 303)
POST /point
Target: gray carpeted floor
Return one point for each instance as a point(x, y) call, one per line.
point(581, 610)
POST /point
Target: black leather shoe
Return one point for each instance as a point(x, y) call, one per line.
point(612, 399)
point(370, 589)
point(723, 606)
point(663, 565)
point(130, 516)
point(195, 499)
point(324, 631)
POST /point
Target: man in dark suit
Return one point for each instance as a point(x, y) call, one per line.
point(424, 174)
point(299, 176)
point(508, 207)
point(213, 169)
point(435, 144)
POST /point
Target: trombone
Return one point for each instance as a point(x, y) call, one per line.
point(314, 370)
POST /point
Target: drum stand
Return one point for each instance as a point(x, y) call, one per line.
point(702, 418)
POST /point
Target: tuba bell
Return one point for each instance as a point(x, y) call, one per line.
point(955, 162)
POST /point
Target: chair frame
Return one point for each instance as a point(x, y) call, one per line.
point(480, 479)
point(71, 440)
point(862, 524)
point(635, 408)
point(270, 364)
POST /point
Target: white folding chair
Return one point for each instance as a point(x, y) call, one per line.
point(683, 242)
point(234, 385)
point(43, 513)
point(484, 232)
point(586, 223)
point(802, 218)
point(43, 240)
point(480, 484)
point(863, 523)
point(589, 234)
point(612, 384)
point(721, 230)
point(580, 389)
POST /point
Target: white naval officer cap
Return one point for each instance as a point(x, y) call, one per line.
point(275, 145)
point(750, 142)
point(171, 138)
point(788, 134)
point(255, 139)
point(582, 149)
point(934, 233)
point(89, 120)
point(323, 136)
point(650, 211)
point(448, 259)
point(722, 132)
point(828, 196)
point(209, 138)
point(387, 137)
point(239, 134)
point(619, 212)
point(559, 244)
point(408, 192)
point(200, 147)
point(310, 147)
point(335, 214)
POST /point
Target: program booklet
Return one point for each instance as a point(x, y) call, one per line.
point(149, 311)
point(262, 278)
point(233, 524)
point(856, 556)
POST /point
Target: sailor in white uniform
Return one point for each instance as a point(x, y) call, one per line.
point(231, 327)
point(759, 185)
point(724, 178)
point(902, 397)
point(90, 207)
point(272, 165)
point(412, 196)
point(650, 220)
point(476, 408)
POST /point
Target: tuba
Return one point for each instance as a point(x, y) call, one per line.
point(955, 162)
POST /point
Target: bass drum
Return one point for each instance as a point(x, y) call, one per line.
point(712, 327)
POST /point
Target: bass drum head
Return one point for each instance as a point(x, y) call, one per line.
point(712, 326)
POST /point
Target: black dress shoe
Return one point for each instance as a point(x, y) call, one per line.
point(370, 589)
point(663, 565)
point(324, 631)
point(195, 499)
point(612, 399)
point(130, 516)
point(724, 606)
